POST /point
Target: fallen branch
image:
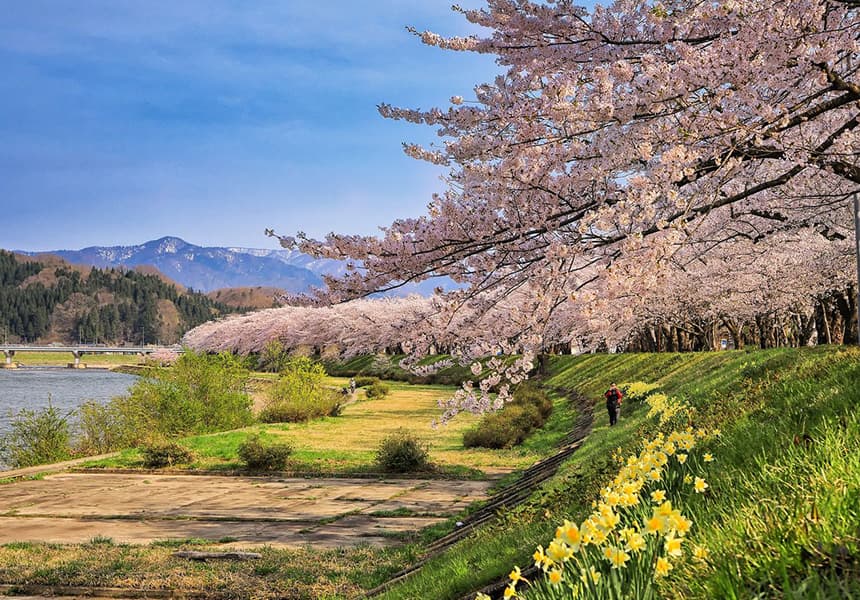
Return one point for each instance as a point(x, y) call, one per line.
point(202, 556)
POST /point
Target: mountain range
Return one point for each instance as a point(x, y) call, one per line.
point(211, 268)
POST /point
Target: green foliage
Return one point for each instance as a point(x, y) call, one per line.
point(261, 457)
point(403, 452)
point(200, 393)
point(274, 358)
point(364, 381)
point(37, 437)
point(377, 389)
point(104, 428)
point(528, 410)
point(300, 394)
point(165, 454)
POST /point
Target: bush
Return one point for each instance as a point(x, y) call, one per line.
point(300, 394)
point(377, 390)
point(104, 428)
point(528, 410)
point(365, 381)
point(260, 457)
point(530, 395)
point(37, 437)
point(200, 393)
point(503, 429)
point(402, 452)
point(165, 454)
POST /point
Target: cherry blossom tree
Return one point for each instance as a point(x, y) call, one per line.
point(617, 138)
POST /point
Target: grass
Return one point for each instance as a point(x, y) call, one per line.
point(781, 517)
point(55, 359)
point(347, 443)
point(280, 573)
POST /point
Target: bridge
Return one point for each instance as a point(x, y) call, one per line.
point(79, 350)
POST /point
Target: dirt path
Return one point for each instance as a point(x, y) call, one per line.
point(251, 511)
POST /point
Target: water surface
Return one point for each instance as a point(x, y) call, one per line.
point(66, 389)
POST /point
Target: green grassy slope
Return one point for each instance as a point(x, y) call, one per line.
point(782, 516)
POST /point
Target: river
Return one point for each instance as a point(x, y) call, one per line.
point(34, 387)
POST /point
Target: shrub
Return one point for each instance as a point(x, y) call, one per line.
point(200, 394)
point(104, 428)
point(165, 454)
point(364, 381)
point(530, 395)
point(377, 390)
point(528, 410)
point(260, 457)
point(503, 429)
point(300, 394)
point(402, 452)
point(37, 437)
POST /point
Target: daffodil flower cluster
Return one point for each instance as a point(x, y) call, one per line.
point(638, 390)
point(635, 532)
point(666, 407)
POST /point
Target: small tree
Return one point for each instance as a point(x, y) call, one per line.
point(300, 393)
point(274, 357)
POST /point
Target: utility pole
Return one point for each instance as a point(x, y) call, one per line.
point(857, 256)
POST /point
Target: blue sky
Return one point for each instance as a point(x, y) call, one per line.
point(123, 121)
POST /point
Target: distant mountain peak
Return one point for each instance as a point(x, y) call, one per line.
point(212, 268)
point(169, 245)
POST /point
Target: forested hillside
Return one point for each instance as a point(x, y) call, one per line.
point(62, 302)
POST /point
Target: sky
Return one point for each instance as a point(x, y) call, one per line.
point(123, 121)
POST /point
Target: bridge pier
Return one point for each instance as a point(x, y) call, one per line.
point(77, 364)
point(8, 364)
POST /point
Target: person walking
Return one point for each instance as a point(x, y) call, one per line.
point(613, 403)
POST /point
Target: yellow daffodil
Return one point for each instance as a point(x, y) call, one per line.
point(700, 486)
point(654, 475)
point(665, 509)
point(616, 556)
point(510, 592)
point(680, 524)
point(708, 457)
point(570, 535)
point(688, 478)
point(658, 496)
point(673, 546)
point(558, 551)
point(635, 543)
point(682, 458)
point(555, 577)
point(700, 553)
point(654, 525)
point(516, 576)
point(663, 567)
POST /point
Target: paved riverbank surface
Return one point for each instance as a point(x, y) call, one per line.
point(251, 511)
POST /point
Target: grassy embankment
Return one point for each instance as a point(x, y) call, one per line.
point(781, 516)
